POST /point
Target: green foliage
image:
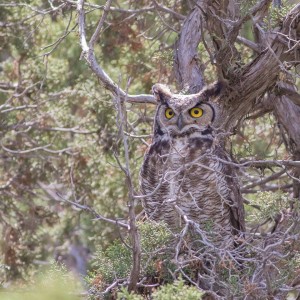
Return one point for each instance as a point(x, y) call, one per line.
point(153, 235)
point(123, 294)
point(258, 138)
point(54, 283)
point(116, 260)
point(60, 105)
point(274, 19)
point(178, 290)
point(246, 5)
point(270, 205)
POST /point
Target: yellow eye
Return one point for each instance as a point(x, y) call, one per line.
point(196, 112)
point(169, 113)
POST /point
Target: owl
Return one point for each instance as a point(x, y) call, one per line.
point(186, 174)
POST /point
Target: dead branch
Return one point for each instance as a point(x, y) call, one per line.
point(265, 180)
point(186, 61)
point(249, 44)
point(104, 78)
point(54, 194)
point(288, 91)
point(96, 34)
point(262, 73)
point(133, 230)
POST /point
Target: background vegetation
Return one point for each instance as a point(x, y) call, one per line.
point(60, 144)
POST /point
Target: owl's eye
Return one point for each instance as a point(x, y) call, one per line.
point(169, 113)
point(196, 112)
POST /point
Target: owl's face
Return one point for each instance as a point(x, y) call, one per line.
point(182, 114)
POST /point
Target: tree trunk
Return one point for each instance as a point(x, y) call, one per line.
point(287, 114)
point(244, 86)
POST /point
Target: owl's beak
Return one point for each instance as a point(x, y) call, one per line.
point(180, 122)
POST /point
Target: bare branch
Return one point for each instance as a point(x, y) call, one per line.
point(289, 92)
point(41, 148)
point(249, 44)
point(262, 73)
point(169, 11)
point(265, 188)
point(159, 6)
point(35, 9)
point(265, 180)
point(5, 108)
point(95, 35)
point(133, 230)
point(60, 39)
point(266, 163)
point(89, 55)
point(54, 194)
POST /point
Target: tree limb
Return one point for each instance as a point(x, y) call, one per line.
point(261, 74)
point(104, 78)
point(186, 63)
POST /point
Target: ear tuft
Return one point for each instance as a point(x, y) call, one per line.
point(161, 92)
point(212, 90)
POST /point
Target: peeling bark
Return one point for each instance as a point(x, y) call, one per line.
point(287, 114)
point(186, 63)
point(245, 86)
point(254, 80)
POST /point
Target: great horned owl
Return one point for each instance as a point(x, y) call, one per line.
point(184, 174)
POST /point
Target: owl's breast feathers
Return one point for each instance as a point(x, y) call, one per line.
point(186, 172)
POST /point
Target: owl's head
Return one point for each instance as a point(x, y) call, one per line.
point(179, 115)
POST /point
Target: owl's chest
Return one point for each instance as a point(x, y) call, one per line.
point(177, 164)
point(183, 172)
point(186, 161)
point(186, 151)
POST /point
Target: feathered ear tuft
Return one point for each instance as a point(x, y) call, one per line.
point(161, 92)
point(212, 90)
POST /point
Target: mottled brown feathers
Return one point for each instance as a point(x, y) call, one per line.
point(163, 93)
point(184, 168)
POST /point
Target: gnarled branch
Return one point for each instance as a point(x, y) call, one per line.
point(105, 79)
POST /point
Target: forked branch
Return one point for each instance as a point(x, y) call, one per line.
point(89, 55)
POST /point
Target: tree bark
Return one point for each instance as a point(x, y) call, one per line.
point(244, 87)
point(186, 63)
point(255, 79)
point(287, 114)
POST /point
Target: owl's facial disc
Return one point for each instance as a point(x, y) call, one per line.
point(186, 119)
point(195, 112)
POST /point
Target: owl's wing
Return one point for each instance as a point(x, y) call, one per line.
point(151, 177)
point(237, 213)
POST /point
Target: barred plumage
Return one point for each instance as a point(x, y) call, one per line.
point(184, 173)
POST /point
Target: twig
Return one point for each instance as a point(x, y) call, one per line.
point(55, 195)
point(133, 230)
point(95, 35)
point(265, 180)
